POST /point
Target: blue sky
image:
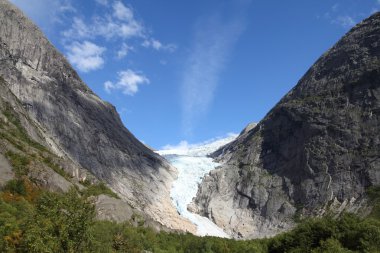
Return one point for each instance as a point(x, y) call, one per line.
point(193, 70)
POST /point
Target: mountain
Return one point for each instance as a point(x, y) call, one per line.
point(73, 123)
point(316, 152)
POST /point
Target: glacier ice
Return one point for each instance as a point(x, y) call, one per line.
point(193, 164)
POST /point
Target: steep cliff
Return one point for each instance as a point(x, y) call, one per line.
point(77, 124)
point(316, 151)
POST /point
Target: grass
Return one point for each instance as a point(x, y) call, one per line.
point(98, 189)
point(58, 169)
point(19, 131)
point(19, 163)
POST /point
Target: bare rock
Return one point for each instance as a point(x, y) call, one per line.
point(316, 151)
point(77, 124)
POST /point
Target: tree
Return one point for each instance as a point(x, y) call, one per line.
point(60, 224)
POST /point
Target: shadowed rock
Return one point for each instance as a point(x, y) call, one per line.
point(317, 150)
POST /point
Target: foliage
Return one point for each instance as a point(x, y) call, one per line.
point(15, 186)
point(19, 163)
point(51, 223)
point(59, 224)
point(98, 189)
point(349, 233)
point(33, 220)
point(373, 193)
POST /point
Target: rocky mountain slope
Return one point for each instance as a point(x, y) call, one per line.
point(316, 151)
point(78, 126)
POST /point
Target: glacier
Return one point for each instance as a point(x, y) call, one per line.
point(193, 164)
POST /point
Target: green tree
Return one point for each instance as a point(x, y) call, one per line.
point(60, 224)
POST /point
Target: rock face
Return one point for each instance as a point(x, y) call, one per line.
point(317, 150)
point(78, 124)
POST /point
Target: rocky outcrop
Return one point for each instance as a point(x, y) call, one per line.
point(77, 124)
point(316, 151)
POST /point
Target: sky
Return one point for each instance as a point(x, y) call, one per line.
point(182, 72)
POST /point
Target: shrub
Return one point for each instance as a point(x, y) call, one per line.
point(15, 186)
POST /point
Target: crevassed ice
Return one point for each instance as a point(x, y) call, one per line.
point(192, 164)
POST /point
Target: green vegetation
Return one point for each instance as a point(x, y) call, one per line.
point(49, 162)
point(373, 193)
point(19, 163)
point(15, 187)
point(97, 189)
point(18, 131)
point(34, 220)
point(349, 233)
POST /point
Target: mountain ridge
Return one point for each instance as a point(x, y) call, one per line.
point(77, 124)
point(316, 151)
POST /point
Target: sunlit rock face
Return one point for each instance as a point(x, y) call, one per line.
point(316, 151)
point(76, 123)
point(193, 164)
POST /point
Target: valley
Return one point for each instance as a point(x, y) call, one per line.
point(74, 178)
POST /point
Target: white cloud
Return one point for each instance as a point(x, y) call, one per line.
point(123, 51)
point(212, 44)
point(117, 22)
point(122, 12)
point(85, 56)
point(128, 82)
point(344, 21)
point(157, 45)
point(104, 26)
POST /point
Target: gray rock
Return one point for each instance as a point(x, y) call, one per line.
point(108, 208)
point(316, 151)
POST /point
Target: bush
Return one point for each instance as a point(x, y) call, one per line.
point(60, 223)
point(15, 186)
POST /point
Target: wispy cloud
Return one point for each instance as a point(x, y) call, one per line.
point(347, 16)
point(123, 51)
point(157, 45)
point(85, 56)
point(45, 12)
point(344, 21)
point(213, 40)
point(128, 82)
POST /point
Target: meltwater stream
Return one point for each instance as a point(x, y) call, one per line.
point(193, 164)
